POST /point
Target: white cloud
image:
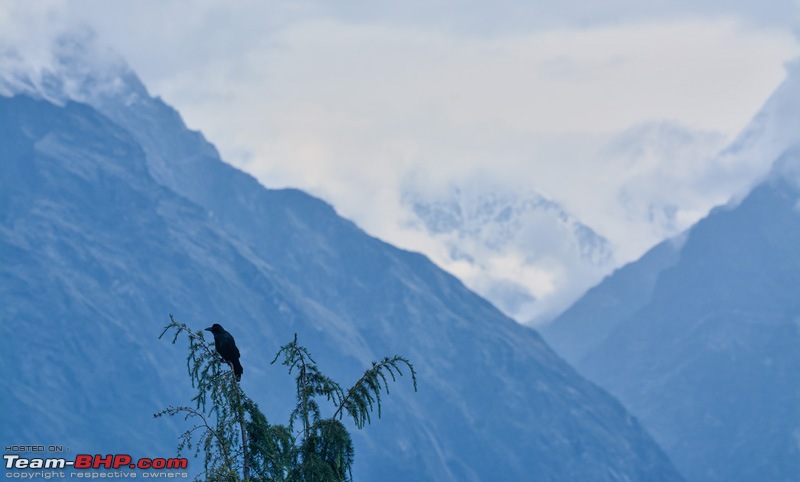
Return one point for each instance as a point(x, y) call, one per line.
point(348, 110)
point(29, 28)
point(347, 103)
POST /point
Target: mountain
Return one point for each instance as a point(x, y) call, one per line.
point(700, 338)
point(580, 330)
point(772, 131)
point(530, 255)
point(520, 250)
point(667, 176)
point(113, 215)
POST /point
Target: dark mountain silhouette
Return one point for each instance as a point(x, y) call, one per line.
point(115, 215)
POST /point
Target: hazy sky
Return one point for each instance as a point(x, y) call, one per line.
point(350, 99)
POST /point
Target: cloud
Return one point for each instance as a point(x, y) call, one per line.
point(347, 110)
point(348, 101)
point(29, 29)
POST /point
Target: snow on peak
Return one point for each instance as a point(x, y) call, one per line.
point(522, 251)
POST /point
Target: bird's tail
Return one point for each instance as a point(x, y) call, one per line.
point(237, 370)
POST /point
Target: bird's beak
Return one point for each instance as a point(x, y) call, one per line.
point(207, 329)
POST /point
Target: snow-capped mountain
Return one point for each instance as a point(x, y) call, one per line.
point(522, 251)
point(113, 215)
point(533, 257)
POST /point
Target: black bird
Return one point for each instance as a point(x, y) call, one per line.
point(226, 347)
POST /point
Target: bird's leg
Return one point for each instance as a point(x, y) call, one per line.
point(230, 364)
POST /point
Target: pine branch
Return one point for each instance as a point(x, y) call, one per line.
point(190, 412)
point(310, 382)
point(323, 450)
point(366, 393)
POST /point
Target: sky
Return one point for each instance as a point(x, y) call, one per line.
point(613, 109)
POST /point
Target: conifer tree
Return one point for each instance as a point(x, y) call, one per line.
point(236, 441)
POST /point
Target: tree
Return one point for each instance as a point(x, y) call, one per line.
point(237, 441)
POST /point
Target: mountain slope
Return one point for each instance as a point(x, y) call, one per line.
point(110, 226)
point(709, 360)
point(580, 330)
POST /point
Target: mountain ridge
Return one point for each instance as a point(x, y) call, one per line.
point(107, 247)
point(708, 357)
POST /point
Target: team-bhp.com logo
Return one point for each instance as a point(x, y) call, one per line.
point(22, 466)
point(86, 461)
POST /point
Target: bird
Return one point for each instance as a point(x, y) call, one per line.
point(226, 347)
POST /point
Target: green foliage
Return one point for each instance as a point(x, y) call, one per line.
point(271, 453)
point(366, 393)
point(218, 414)
point(310, 384)
point(236, 440)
